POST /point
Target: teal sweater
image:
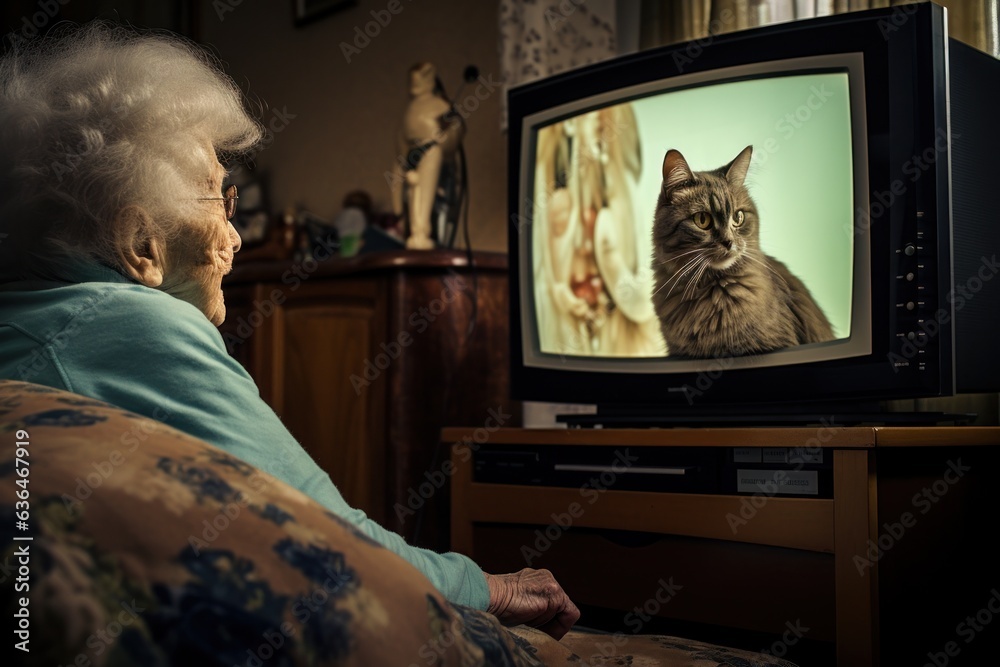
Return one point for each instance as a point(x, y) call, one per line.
point(109, 338)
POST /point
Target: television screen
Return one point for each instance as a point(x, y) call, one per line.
point(657, 209)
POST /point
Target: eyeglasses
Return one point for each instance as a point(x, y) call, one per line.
point(230, 199)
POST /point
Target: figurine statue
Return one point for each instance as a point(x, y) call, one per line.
point(428, 141)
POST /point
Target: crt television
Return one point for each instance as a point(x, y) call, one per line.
point(868, 145)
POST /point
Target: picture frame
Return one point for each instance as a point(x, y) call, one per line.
point(307, 11)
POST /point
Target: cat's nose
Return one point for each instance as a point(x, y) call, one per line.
point(728, 243)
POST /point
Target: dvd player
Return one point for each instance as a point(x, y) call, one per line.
point(718, 470)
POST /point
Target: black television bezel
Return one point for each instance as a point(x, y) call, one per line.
point(905, 65)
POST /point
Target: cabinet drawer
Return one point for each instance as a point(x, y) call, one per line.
point(748, 586)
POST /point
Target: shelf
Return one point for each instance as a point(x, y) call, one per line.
point(861, 437)
point(693, 515)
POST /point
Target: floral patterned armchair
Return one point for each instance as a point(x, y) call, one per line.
point(150, 547)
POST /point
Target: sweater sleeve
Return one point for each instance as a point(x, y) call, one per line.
point(160, 357)
point(453, 574)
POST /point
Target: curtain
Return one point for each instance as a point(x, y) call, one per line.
point(975, 22)
point(662, 22)
point(539, 38)
point(669, 21)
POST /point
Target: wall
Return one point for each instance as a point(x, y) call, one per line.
point(343, 116)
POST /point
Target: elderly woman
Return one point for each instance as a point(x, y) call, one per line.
point(114, 238)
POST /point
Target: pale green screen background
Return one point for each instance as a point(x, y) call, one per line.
point(801, 174)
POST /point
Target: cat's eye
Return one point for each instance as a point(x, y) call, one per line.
point(738, 219)
point(702, 220)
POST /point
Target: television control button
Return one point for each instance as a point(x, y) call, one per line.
point(909, 250)
point(910, 305)
point(910, 276)
point(911, 336)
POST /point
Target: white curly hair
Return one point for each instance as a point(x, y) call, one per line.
point(98, 118)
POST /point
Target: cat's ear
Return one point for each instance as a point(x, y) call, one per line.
point(736, 171)
point(675, 170)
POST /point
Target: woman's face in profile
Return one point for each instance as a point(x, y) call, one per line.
point(205, 253)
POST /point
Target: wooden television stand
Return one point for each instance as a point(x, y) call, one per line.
point(885, 570)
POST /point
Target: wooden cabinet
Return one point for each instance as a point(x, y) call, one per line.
point(886, 569)
point(366, 359)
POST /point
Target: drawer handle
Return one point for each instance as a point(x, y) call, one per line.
point(580, 467)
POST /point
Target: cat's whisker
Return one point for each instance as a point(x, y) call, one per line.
point(694, 272)
point(676, 274)
point(675, 279)
point(678, 256)
point(667, 281)
point(692, 285)
point(688, 268)
point(671, 259)
point(686, 294)
point(704, 269)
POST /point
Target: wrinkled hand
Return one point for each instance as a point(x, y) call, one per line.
point(532, 597)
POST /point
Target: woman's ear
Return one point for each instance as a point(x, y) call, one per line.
point(141, 250)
